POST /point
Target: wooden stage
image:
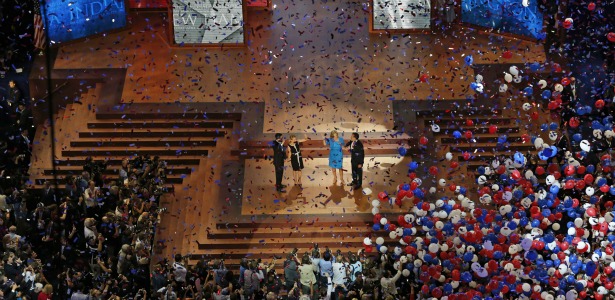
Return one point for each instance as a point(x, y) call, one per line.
point(308, 68)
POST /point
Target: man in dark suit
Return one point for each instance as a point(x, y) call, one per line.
point(279, 156)
point(357, 156)
point(570, 93)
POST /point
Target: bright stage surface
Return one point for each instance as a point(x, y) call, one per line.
point(319, 195)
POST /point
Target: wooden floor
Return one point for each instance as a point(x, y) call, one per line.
point(315, 68)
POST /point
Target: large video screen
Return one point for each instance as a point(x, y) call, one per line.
point(401, 14)
point(208, 21)
point(520, 17)
point(69, 20)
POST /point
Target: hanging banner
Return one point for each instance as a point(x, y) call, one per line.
point(70, 20)
point(506, 16)
point(401, 14)
point(208, 22)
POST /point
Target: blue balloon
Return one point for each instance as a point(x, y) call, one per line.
point(535, 223)
point(502, 139)
point(427, 258)
point(481, 170)
point(531, 255)
point(553, 126)
point(596, 125)
point(466, 276)
point(407, 231)
point(528, 91)
point(534, 67)
point(512, 225)
point(473, 85)
point(413, 166)
point(519, 158)
point(386, 227)
point(468, 256)
point(376, 227)
point(612, 191)
point(577, 137)
point(554, 189)
point(406, 187)
point(546, 94)
point(469, 60)
point(544, 127)
point(456, 134)
point(590, 268)
point(590, 169)
point(402, 151)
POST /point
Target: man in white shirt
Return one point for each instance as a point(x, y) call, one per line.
point(179, 271)
point(388, 283)
point(340, 273)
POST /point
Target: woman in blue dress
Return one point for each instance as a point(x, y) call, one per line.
point(335, 144)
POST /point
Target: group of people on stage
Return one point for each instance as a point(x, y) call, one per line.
point(291, 151)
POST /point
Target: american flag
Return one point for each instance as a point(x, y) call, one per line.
point(39, 28)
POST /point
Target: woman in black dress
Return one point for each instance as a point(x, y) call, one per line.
point(296, 160)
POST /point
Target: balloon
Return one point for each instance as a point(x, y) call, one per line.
point(423, 77)
point(585, 145)
point(402, 151)
point(611, 37)
point(423, 140)
point(514, 70)
point(367, 241)
point(599, 104)
point(469, 60)
point(591, 6)
point(508, 77)
point(568, 23)
point(367, 191)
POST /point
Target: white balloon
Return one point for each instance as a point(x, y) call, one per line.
point(542, 84)
point(375, 210)
point(552, 135)
point(585, 145)
point(480, 88)
point(393, 235)
point(379, 240)
point(405, 272)
point(433, 248)
point(384, 221)
point(503, 88)
point(367, 191)
point(375, 203)
point(514, 70)
point(383, 249)
point(589, 191)
point(482, 179)
point(517, 79)
point(432, 190)
point(525, 3)
point(558, 87)
point(508, 77)
point(442, 182)
point(367, 241)
point(527, 106)
point(550, 179)
point(435, 127)
point(449, 156)
point(578, 222)
point(479, 78)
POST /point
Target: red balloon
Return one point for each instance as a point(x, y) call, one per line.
point(424, 78)
point(452, 187)
point(581, 170)
point(588, 178)
point(493, 129)
point(591, 212)
point(423, 140)
point(456, 275)
point(382, 196)
point(605, 188)
point(580, 184)
point(565, 81)
point(516, 175)
point(599, 104)
point(433, 170)
point(437, 292)
point(574, 122)
point(591, 6)
point(540, 170)
point(454, 165)
point(468, 134)
point(469, 122)
point(567, 23)
point(466, 155)
point(611, 37)
point(534, 116)
point(569, 170)
point(526, 138)
point(507, 54)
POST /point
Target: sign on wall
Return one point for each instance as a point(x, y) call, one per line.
point(208, 21)
point(510, 16)
point(401, 14)
point(75, 19)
